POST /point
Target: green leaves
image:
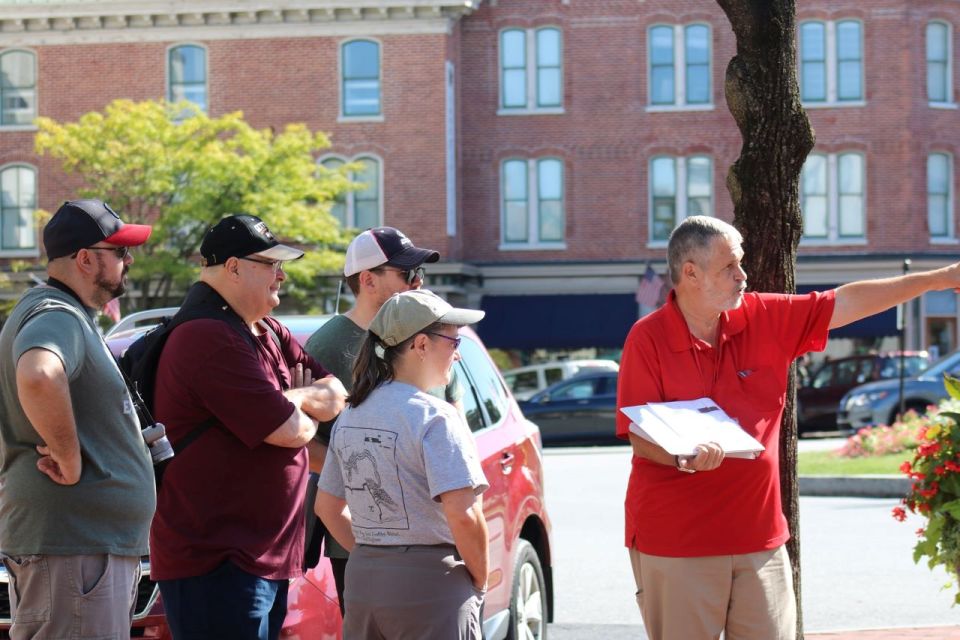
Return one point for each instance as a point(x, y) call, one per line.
point(952, 386)
point(181, 170)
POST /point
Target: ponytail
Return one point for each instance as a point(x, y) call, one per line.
point(370, 370)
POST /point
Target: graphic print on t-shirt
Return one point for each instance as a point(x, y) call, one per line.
point(371, 478)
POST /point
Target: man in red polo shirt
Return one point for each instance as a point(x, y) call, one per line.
point(706, 533)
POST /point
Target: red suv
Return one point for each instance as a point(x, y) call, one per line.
point(519, 600)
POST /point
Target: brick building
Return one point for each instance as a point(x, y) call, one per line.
point(545, 147)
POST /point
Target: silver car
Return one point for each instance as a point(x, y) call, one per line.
point(879, 402)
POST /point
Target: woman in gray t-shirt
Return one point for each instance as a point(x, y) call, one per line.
point(401, 484)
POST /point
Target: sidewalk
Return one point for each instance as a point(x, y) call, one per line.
point(913, 633)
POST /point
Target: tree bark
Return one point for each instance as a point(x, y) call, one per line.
point(763, 96)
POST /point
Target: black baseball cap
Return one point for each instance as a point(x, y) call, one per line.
point(79, 224)
point(242, 235)
point(384, 245)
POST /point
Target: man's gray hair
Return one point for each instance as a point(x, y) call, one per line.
point(691, 237)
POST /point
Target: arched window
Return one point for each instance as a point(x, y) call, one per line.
point(358, 209)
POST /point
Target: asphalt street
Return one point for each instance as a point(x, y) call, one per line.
point(858, 571)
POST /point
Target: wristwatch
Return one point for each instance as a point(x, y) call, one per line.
point(682, 462)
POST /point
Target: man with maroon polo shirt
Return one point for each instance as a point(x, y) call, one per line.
point(228, 532)
point(706, 533)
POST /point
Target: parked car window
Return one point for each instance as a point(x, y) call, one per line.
point(912, 365)
point(471, 405)
point(577, 390)
point(523, 381)
point(824, 377)
point(846, 372)
point(492, 394)
point(554, 374)
point(867, 366)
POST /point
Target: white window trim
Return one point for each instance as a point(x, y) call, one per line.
point(951, 237)
point(950, 103)
point(36, 91)
point(206, 69)
point(341, 116)
point(349, 198)
point(833, 204)
point(830, 41)
point(533, 242)
point(681, 198)
point(34, 251)
point(680, 71)
point(530, 74)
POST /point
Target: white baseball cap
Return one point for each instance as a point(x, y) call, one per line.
point(384, 245)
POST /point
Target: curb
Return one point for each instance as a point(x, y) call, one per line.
point(874, 486)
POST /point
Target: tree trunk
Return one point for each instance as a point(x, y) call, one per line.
point(763, 96)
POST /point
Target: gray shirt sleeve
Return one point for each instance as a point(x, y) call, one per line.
point(58, 332)
point(450, 456)
point(331, 478)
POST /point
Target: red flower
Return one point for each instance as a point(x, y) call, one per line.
point(906, 467)
point(940, 470)
point(952, 466)
point(921, 531)
point(931, 492)
point(899, 514)
point(928, 449)
point(923, 507)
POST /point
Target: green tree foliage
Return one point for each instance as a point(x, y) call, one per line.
point(180, 170)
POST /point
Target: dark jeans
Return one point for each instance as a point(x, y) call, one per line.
point(225, 603)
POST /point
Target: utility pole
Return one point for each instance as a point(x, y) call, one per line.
point(902, 326)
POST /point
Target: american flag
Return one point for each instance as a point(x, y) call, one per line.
point(112, 310)
point(648, 293)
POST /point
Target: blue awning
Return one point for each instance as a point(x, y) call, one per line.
point(603, 320)
point(875, 326)
point(557, 321)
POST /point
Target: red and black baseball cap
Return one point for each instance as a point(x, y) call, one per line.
point(79, 224)
point(384, 246)
point(242, 235)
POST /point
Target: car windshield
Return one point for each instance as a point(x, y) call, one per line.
point(912, 365)
point(949, 363)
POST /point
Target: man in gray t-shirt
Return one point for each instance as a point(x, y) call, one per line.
point(379, 263)
point(76, 481)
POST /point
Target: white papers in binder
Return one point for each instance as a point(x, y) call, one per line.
point(678, 427)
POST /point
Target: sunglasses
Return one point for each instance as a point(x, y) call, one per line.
point(276, 265)
point(455, 341)
point(120, 252)
point(409, 275)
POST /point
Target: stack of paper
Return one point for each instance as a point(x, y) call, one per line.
point(678, 427)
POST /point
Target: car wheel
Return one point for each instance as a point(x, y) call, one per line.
point(528, 602)
point(915, 405)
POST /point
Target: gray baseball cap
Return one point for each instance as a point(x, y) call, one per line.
point(406, 314)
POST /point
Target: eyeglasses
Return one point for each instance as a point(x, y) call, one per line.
point(276, 265)
point(120, 252)
point(409, 275)
point(455, 341)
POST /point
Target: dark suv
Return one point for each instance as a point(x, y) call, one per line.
point(818, 399)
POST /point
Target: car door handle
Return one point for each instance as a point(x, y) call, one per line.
point(506, 462)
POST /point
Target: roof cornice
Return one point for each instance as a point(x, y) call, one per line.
point(28, 22)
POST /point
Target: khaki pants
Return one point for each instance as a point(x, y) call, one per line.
point(89, 596)
point(749, 596)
